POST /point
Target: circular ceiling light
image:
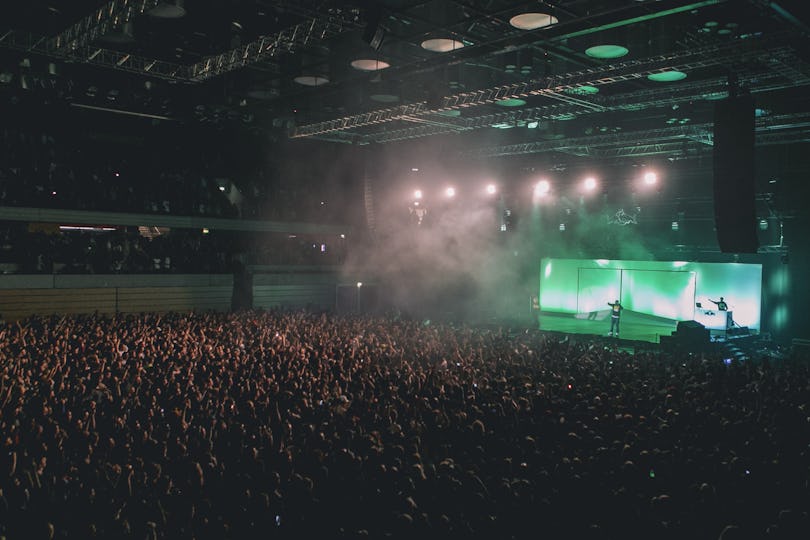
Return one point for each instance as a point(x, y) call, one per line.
point(384, 98)
point(511, 102)
point(369, 64)
point(607, 51)
point(667, 76)
point(312, 80)
point(441, 45)
point(532, 21)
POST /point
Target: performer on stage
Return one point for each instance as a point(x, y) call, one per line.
point(615, 314)
point(721, 304)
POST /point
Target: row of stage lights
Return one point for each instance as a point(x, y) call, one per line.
point(542, 188)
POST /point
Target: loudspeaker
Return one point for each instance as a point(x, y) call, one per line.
point(692, 334)
point(686, 326)
point(242, 292)
point(734, 182)
point(373, 33)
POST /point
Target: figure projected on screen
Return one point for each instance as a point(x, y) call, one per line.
point(615, 315)
point(721, 304)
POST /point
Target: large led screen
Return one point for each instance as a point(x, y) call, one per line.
point(675, 290)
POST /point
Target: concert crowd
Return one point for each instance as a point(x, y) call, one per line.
point(300, 425)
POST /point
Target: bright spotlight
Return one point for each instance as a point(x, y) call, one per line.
point(542, 188)
point(650, 178)
point(359, 284)
point(450, 192)
point(417, 194)
point(590, 183)
point(491, 189)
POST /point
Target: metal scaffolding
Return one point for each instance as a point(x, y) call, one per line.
point(102, 21)
point(687, 60)
point(776, 129)
point(309, 32)
point(30, 43)
point(75, 44)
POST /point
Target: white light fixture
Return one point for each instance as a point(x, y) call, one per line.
point(442, 45)
point(312, 80)
point(589, 183)
point(650, 178)
point(491, 189)
point(417, 194)
point(450, 192)
point(542, 188)
point(369, 64)
point(532, 21)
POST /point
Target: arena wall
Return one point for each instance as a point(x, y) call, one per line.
point(25, 295)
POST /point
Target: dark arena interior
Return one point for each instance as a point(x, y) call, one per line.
point(429, 269)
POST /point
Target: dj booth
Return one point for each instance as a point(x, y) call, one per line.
point(714, 319)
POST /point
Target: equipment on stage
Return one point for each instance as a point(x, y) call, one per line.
point(689, 336)
point(713, 318)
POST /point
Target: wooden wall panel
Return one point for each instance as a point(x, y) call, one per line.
point(271, 296)
point(19, 303)
point(163, 299)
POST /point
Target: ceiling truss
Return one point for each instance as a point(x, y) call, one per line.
point(686, 60)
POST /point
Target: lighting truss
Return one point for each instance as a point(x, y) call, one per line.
point(103, 20)
point(776, 129)
point(631, 101)
point(686, 60)
point(75, 44)
point(30, 43)
point(310, 32)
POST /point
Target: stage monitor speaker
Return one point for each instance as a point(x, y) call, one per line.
point(686, 326)
point(734, 181)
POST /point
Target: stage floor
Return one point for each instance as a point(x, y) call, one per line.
point(634, 326)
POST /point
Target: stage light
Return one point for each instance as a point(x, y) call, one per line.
point(562, 226)
point(542, 188)
point(650, 178)
point(589, 183)
point(450, 192)
point(676, 226)
point(763, 224)
point(491, 189)
point(359, 284)
point(417, 194)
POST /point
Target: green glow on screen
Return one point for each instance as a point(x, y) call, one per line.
point(668, 289)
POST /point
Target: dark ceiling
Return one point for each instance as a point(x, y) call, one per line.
point(524, 91)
